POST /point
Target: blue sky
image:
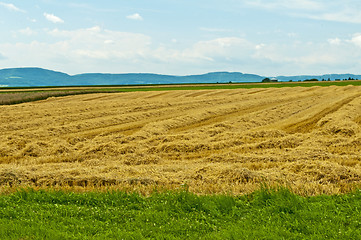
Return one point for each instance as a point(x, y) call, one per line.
point(266, 37)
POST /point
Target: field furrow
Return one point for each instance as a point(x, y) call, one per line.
point(310, 123)
point(213, 141)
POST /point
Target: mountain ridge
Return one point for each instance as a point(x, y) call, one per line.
point(36, 77)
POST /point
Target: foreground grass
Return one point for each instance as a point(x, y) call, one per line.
point(265, 214)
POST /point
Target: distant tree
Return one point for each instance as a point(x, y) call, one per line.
point(266, 80)
point(311, 80)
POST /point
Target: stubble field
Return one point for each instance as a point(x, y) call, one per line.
point(208, 141)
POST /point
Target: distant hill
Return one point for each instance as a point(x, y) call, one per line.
point(32, 77)
point(24, 77)
point(332, 77)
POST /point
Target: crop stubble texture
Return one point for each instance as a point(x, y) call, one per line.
point(211, 141)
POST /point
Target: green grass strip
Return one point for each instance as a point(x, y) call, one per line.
point(265, 214)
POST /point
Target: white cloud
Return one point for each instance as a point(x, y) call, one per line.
point(2, 57)
point(27, 31)
point(135, 16)
point(260, 46)
point(335, 56)
point(99, 44)
point(286, 4)
point(356, 39)
point(52, 18)
point(97, 49)
point(109, 41)
point(100, 50)
point(292, 35)
point(342, 16)
point(214, 53)
point(82, 50)
point(334, 41)
point(214, 29)
point(332, 10)
point(221, 48)
point(11, 7)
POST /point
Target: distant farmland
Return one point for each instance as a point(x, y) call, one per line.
point(210, 141)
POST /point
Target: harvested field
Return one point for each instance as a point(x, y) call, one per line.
point(210, 141)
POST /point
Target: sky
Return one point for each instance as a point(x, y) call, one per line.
point(264, 37)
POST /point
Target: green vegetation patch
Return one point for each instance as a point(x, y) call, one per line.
point(265, 214)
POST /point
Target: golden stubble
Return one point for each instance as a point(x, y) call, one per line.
point(208, 141)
